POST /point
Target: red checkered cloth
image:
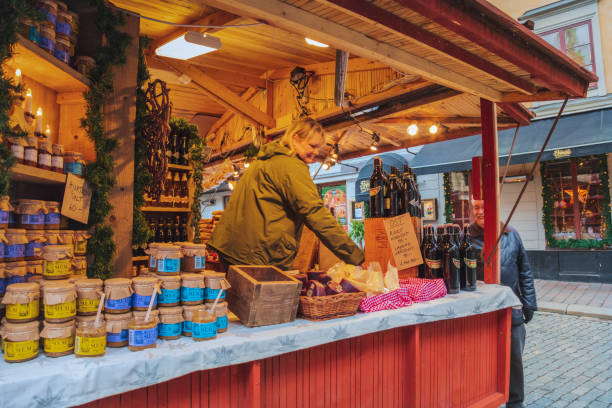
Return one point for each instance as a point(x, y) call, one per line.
point(411, 291)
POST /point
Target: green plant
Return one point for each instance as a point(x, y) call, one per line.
point(448, 201)
point(357, 232)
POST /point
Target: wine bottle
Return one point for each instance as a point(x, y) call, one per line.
point(169, 233)
point(450, 267)
point(177, 229)
point(433, 258)
point(377, 190)
point(425, 245)
point(184, 236)
point(160, 235)
point(394, 193)
point(469, 257)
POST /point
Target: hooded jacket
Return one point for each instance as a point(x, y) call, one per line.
point(274, 199)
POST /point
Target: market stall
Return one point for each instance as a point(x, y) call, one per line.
point(132, 176)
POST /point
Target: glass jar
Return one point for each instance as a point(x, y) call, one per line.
point(79, 266)
point(34, 268)
point(52, 237)
point(192, 288)
point(49, 10)
point(89, 292)
point(59, 300)
point(142, 334)
point(63, 24)
point(5, 211)
point(80, 242)
point(52, 216)
point(44, 154)
point(194, 257)
point(171, 322)
point(168, 259)
point(151, 252)
point(144, 288)
point(117, 329)
point(16, 272)
point(20, 341)
point(73, 163)
point(170, 291)
point(31, 214)
point(62, 48)
point(188, 312)
point(33, 250)
point(90, 338)
point(16, 241)
point(221, 314)
point(57, 261)
point(46, 37)
point(58, 338)
point(204, 325)
point(22, 302)
point(17, 148)
point(213, 286)
point(118, 298)
point(30, 151)
point(57, 158)
point(2, 278)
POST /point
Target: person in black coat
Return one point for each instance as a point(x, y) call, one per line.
point(515, 273)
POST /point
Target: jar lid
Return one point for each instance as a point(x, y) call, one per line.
point(57, 249)
point(192, 245)
point(58, 287)
point(213, 275)
point(75, 154)
point(168, 278)
point(34, 263)
point(36, 279)
point(23, 287)
point(55, 232)
point(191, 308)
point(140, 314)
point(50, 3)
point(170, 310)
point(20, 327)
point(57, 148)
point(118, 282)
point(15, 231)
point(46, 282)
point(145, 280)
point(92, 283)
point(91, 323)
point(76, 278)
point(63, 12)
point(87, 319)
point(58, 330)
point(45, 144)
point(85, 59)
point(192, 277)
point(52, 203)
point(32, 141)
point(35, 233)
point(66, 232)
point(118, 317)
point(17, 264)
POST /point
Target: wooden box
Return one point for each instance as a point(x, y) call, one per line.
point(262, 295)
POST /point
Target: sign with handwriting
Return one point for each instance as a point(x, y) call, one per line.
point(77, 197)
point(403, 241)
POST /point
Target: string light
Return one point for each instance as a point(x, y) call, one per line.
point(247, 164)
point(325, 166)
point(433, 129)
point(236, 172)
point(413, 129)
point(375, 141)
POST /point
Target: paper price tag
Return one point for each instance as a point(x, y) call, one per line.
point(403, 241)
point(77, 198)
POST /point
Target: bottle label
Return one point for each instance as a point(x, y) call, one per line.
point(23, 311)
point(169, 296)
point(87, 305)
point(168, 330)
point(433, 263)
point(57, 268)
point(457, 263)
point(211, 294)
point(31, 248)
point(89, 346)
point(198, 262)
point(374, 191)
point(59, 345)
point(142, 301)
point(20, 350)
point(44, 159)
point(57, 162)
point(34, 34)
point(118, 304)
point(143, 337)
point(4, 217)
point(117, 337)
point(52, 218)
point(169, 265)
point(204, 330)
point(15, 251)
point(187, 326)
point(30, 155)
point(17, 151)
point(33, 219)
point(222, 322)
point(471, 263)
point(192, 294)
point(152, 263)
point(60, 310)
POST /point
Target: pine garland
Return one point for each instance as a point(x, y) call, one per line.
point(448, 200)
point(99, 174)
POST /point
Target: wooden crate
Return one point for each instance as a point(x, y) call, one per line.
point(262, 295)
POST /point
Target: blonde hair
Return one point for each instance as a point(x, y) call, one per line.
point(303, 129)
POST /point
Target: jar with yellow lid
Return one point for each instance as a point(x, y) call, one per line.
point(57, 261)
point(80, 242)
point(221, 314)
point(31, 214)
point(52, 237)
point(213, 286)
point(188, 312)
point(79, 266)
point(192, 288)
point(20, 341)
point(34, 268)
point(57, 159)
point(117, 329)
point(52, 217)
point(44, 154)
point(170, 291)
point(30, 151)
point(58, 338)
point(171, 322)
point(22, 302)
point(168, 258)
point(15, 248)
point(16, 272)
point(59, 300)
point(36, 240)
point(194, 257)
point(5, 210)
point(89, 292)
point(90, 338)
point(118, 298)
point(144, 287)
point(143, 333)
point(204, 325)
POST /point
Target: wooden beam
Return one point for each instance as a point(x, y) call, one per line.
point(518, 112)
point(326, 68)
point(448, 120)
point(228, 114)
point(490, 28)
point(515, 97)
point(222, 95)
point(392, 22)
point(294, 19)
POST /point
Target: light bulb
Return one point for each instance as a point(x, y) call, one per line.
point(325, 166)
point(246, 165)
point(315, 43)
point(373, 148)
point(413, 129)
point(433, 129)
point(230, 185)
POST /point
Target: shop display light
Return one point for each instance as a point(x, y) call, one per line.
point(315, 43)
point(375, 141)
point(236, 172)
point(413, 129)
point(433, 129)
point(189, 45)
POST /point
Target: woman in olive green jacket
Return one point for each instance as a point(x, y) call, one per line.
point(274, 199)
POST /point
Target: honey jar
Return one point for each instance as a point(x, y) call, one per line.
point(67, 238)
point(2, 278)
point(143, 333)
point(88, 292)
point(170, 291)
point(17, 148)
point(34, 268)
point(22, 302)
point(204, 325)
point(221, 314)
point(80, 242)
point(49, 10)
point(73, 163)
point(5, 209)
point(15, 248)
point(168, 259)
point(58, 338)
point(3, 242)
point(31, 214)
point(59, 300)
point(30, 151)
point(213, 286)
point(52, 237)
point(57, 261)
point(171, 322)
point(44, 154)
point(144, 287)
point(16, 272)
point(188, 312)
point(117, 329)
point(118, 298)
point(151, 252)
point(57, 159)
point(52, 217)
point(36, 240)
point(90, 338)
point(20, 341)
point(194, 257)
point(192, 288)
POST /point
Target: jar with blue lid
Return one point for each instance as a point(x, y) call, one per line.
point(2, 278)
point(194, 257)
point(168, 259)
point(192, 288)
point(74, 163)
point(34, 247)
point(204, 325)
point(188, 312)
point(144, 291)
point(170, 322)
point(142, 334)
point(15, 247)
point(31, 214)
point(5, 210)
point(214, 285)
point(170, 291)
point(118, 295)
point(117, 329)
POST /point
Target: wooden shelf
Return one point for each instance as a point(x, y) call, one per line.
point(166, 209)
point(30, 174)
point(43, 67)
point(140, 258)
point(179, 167)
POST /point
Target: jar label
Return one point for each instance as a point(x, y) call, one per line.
point(63, 28)
point(117, 337)
point(192, 294)
point(89, 346)
point(23, 311)
point(57, 268)
point(14, 251)
point(74, 168)
point(142, 301)
point(152, 262)
point(169, 265)
point(59, 345)
point(211, 294)
point(118, 304)
point(80, 247)
point(198, 262)
point(187, 326)
point(62, 56)
point(173, 329)
point(204, 330)
point(31, 247)
point(169, 296)
point(20, 350)
point(33, 219)
point(17, 151)
point(57, 162)
point(222, 322)
point(30, 155)
point(2, 285)
point(16, 279)
point(4, 217)
point(52, 218)
point(44, 159)
point(87, 305)
point(60, 310)
point(471, 263)
point(143, 337)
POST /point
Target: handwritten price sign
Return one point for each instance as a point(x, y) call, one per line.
point(77, 198)
point(403, 241)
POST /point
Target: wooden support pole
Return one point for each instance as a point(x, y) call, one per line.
point(119, 115)
point(490, 181)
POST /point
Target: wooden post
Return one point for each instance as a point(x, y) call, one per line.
point(119, 116)
point(490, 181)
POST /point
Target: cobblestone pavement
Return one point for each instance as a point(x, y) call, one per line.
point(568, 362)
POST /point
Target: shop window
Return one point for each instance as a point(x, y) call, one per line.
point(458, 195)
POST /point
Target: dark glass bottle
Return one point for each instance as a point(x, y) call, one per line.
point(182, 152)
point(184, 236)
point(160, 234)
point(177, 230)
point(450, 257)
point(418, 212)
point(408, 192)
point(425, 245)
point(153, 227)
point(169, 234)
point(170, 148)
point(377, 190)
point(394, 194)
point(469, 261)
point(433, 259)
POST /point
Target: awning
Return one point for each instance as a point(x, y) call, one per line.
point(362, 185)
point(576, 135)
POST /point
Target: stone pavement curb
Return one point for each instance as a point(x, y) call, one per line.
point(576, 310)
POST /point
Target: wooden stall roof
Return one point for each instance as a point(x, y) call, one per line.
point(442, 56)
